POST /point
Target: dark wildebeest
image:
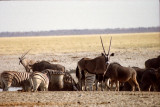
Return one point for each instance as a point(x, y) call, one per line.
point(26, 62)
point(153, 63)
point(150, 79)
point(126, 86)
point(118, 73)
point(97, 65)
point(42, 65)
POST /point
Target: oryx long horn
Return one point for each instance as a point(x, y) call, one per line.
point(25, 53)
point(110, 45)
point(102, 45)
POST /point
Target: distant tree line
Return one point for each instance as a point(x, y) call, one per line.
point(81, 32)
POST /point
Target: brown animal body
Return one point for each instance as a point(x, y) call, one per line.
point(96, 65)
point(42, 65)
point(126, 86)
point(26, 62)
point(118, 73)
point(153, 63)
point(150, 79)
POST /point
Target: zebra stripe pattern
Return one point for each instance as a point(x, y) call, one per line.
point(89, 81)
point(69, 83)
point(56, 82)
point(15, 79)
point(39, 80)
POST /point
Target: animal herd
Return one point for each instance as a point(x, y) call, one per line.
point(91, 74)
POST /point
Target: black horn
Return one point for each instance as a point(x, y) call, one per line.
point(110, 45)
point(102, 45)
point(25, 54)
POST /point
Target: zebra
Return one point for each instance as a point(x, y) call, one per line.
point(87, 80)
point(15, 79)
point(90, 80)
point(56, 82)
point(39, 80)
point(69, 83)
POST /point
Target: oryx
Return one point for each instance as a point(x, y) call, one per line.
point(26, 62)
point(97, 66)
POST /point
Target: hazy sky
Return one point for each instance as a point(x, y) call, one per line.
point(77, 14)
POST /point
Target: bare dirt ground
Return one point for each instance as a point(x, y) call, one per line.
point(75, 98)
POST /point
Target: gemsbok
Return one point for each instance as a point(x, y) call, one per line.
point(95, 66)
point(26, 62)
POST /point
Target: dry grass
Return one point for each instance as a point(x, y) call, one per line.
point(78, 43)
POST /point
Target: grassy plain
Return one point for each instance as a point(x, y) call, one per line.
point(78, 43)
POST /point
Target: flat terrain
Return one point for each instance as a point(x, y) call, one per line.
point(87, 99)
point(130, 50)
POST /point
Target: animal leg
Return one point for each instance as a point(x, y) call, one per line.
point(96, 84)
point(107, 84)
point(36, 84)
point(7, 84)
point(117, 85)
point(112, 82)
point(136, 83)
point(102, 87)
point(132, 84)
point(149, 89)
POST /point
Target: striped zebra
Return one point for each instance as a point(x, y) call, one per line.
point(39, 80)
point(69, 83)
point(15, 79)
point(88, 81)
point(56, 82)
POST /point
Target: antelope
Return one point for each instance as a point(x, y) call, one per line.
point(95, 66)
point(26, 62)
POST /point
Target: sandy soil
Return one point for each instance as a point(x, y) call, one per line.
point(75, 98)
point(72, 99)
